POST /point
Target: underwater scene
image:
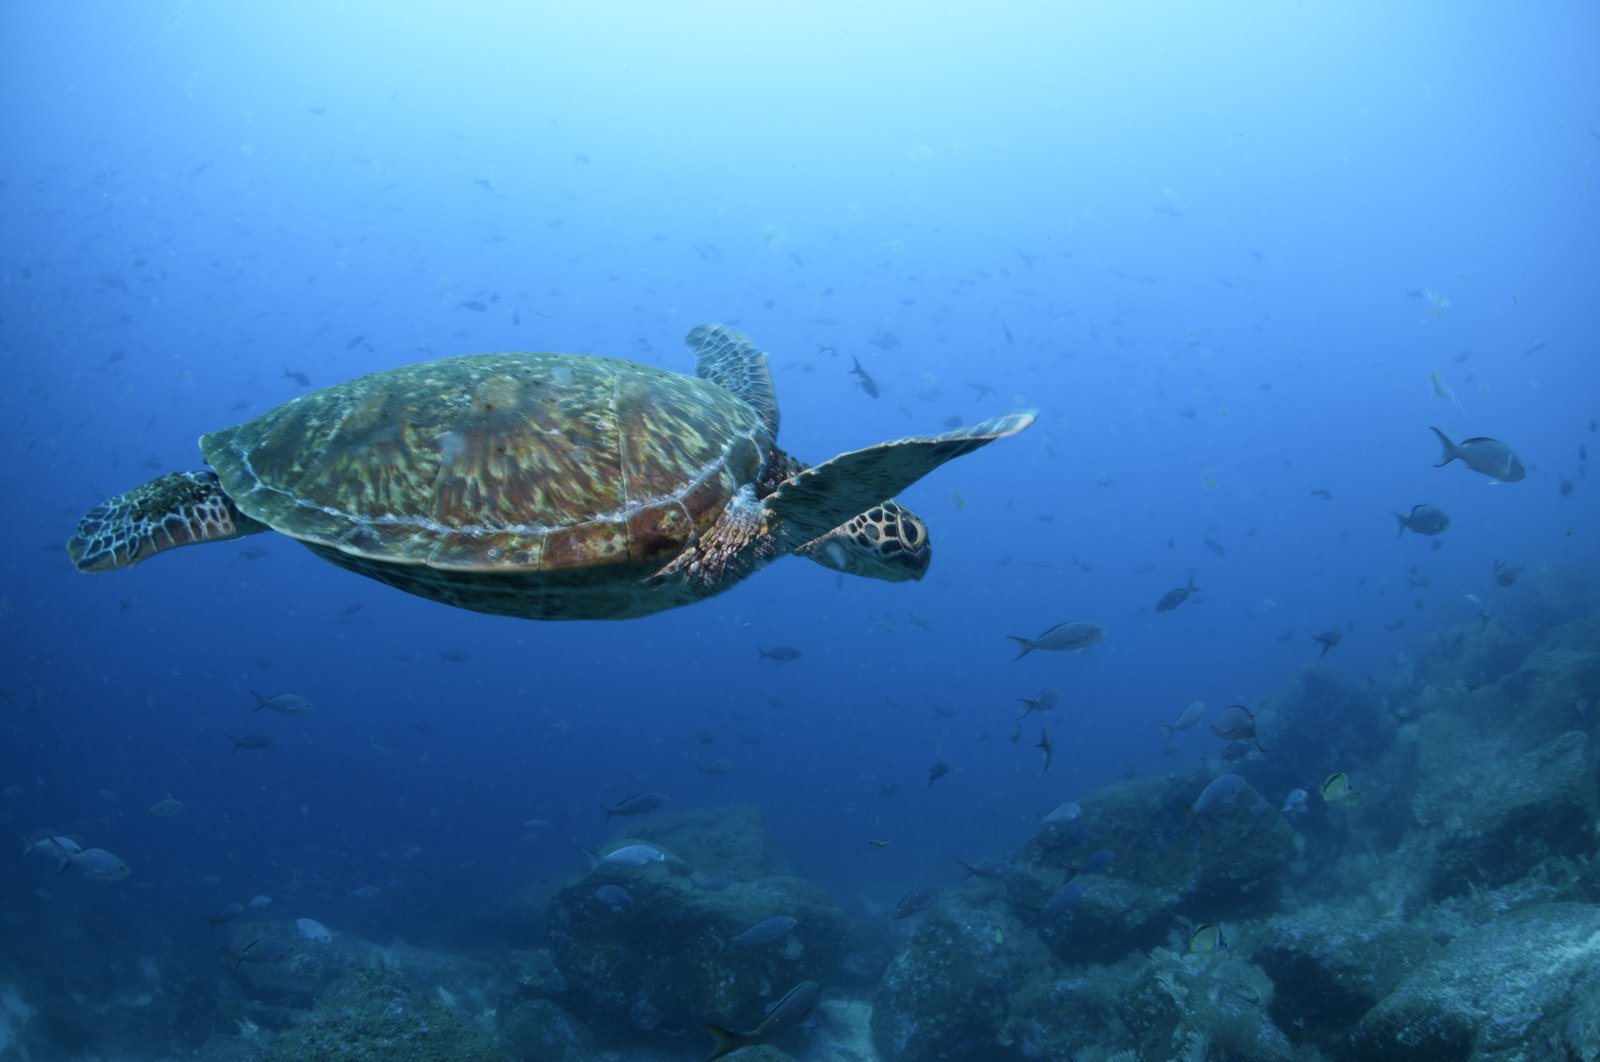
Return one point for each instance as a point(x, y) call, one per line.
point(838, 532)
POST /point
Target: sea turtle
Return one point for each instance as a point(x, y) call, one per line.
point(548, 486)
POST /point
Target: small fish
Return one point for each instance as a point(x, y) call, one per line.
point(614, 897)
point(938, 771)
point(1186, 718)
point(1048, 747)
point(1215, 547)
point(1295, 803)
point(252, 741)
point(354, 341)
point(298, 377)
point(259, 902)
point(916, 901)
point(1064, 812)
point(1173, 598)
point(1325, 495)
point(365, 892)
point(1045, 700)
point(1336, 789)
point(1236, 723)
point(1327, 639)
point(1491, 457)
point(1097, 860)
point(1505, 574)
point(314, 930)
point(763, 932)
point(877, 842)
point(454, 656)
point(1074, 634)
point(631, 855)
point(1064, 897)
point(164, 808)
point(1234, 751)
point(1423, 520)
point(1219, 793)
point(95, 862)
point(989, 869)
point(868, 384)
point(638, 804)
point(474, 305)
point(716, 768)
point(226, 913)
point(286, 703)
point(715, 883)
point(1206, 937)
point(781, 653)
point(267, 951)
point(785, 1014)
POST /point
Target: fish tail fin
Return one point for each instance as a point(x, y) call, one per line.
point(1259, 745)
point(722, 945)
point(970, 871)
point(236, 742)
point(1450, 452)
point(1402, 528)
point(1027, 646)
point(27, 843)
point(761, 653)
point(261, 702)
point(1188, 819)
point(727, 1042)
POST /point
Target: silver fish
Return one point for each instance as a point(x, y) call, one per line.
point(1074, 634)
point(287, 703)
point(1219, 793)
point(1490, 456)
point(784, 1015)
point(1186, 718)
point(763, 932)
point(631, 855)
point(1423, 519)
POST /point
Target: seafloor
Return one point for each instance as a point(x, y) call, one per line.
point(1447, 908)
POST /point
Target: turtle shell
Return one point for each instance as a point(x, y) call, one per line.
point(497, 463)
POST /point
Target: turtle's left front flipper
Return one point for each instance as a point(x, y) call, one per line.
point(178, 509)
point(820, 499)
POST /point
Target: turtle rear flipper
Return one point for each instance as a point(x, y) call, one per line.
point(820, 499)
point(726, 357)
point(178, 509)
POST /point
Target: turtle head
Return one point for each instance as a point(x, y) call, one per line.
point(888, 542)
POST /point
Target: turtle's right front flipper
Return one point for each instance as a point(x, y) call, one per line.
point(178, 509)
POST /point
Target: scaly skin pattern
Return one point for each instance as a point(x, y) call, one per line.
point(178, 509)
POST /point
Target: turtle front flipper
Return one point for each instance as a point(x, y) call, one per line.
point(178, 509)
point(820, 499)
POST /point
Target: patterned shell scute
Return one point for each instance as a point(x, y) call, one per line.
point(498, 462)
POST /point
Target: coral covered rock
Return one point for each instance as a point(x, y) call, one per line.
point(1516, 989)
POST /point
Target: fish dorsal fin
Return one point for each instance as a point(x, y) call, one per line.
point(819, 499)
point(727, 358)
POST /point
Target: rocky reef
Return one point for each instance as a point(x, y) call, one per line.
point(1445, 904)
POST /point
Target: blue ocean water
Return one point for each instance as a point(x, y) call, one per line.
point(1234, 256)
